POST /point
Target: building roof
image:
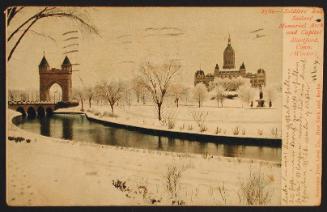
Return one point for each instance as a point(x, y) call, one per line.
point(44, 62)
point(199, 73)
point(260, 70)
point(66, 61)
point(242, 66)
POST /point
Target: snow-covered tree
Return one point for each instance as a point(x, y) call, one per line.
point(270, 93)
point(177, 90)
point(219, 95)
point(157, 79)
point(246, 93)
point(230, 84)
point(200, 93)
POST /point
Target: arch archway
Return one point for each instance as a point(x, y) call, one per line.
point(22, 111)
point(55, 93)
point(49, 76)
point(40, 112)
point(31, 112)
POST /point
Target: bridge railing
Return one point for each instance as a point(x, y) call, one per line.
point(29, 102)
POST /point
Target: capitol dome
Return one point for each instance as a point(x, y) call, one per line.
point(229, 56)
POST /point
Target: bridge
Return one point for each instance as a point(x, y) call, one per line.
point(48, 77)
point(40, 109)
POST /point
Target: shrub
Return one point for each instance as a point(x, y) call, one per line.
point(190, 127)
point(260, 131)
point(274, 132)
point(254, 189)
point(223, 193)
point(200, 118)
point(169, 119)
point(173, 178)
point(218, 130)
point(121, 185)
point(243, 131)
point(236, 130)
point(171, 124)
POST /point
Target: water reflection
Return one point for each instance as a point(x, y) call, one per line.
point(67, 130)
point(77, 127)
point(45, 126)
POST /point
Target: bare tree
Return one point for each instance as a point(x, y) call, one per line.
point(156, 79)
point(79, 94)
point(98, 93)
point(138, 89)
point(177, 90)
point(200, 93)
point(89, 94)
point(112, 92)
point(26, 25)
point(126, 92)
point(11, 95)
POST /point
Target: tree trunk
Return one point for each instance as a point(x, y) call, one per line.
point(199, 103)
point(90, 102)
point(82, 103)
point(159, 112)
point(112, 108)
point(177, 99)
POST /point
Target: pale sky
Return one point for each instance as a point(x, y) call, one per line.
point(130, 36)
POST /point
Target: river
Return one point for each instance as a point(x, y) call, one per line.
point(78, 128)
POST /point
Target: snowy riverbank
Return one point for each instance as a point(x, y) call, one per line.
point(263, 123)
point(49, 171)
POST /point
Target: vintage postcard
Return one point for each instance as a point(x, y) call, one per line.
point(173, 106)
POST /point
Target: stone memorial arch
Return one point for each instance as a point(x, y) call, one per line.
point(48, 77)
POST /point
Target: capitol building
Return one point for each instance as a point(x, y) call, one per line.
point(257, 79)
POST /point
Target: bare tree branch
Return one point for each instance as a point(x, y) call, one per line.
point(20, 38)
point(45, 13)
point(11, 12)
point(26, 22)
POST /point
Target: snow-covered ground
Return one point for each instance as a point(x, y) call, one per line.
point(49, 171)
point(230, 120)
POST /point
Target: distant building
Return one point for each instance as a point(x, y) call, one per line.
point(257, 80)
